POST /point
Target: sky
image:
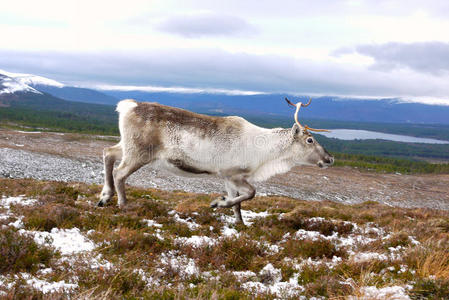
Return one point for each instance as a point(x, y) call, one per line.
point(343, 48)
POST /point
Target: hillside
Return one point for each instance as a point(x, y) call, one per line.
point(40, 110)
point(172, 245)
point(77, 94)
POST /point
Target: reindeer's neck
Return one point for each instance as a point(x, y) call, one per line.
point(277, 157)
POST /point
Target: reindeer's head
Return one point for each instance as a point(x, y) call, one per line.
point(306, 149)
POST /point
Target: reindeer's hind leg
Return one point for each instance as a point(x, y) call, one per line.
point(128, 165)
point(110, 155)
point(238, 213)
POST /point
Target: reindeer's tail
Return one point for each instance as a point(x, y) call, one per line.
point(123, 108)
point(125, 105)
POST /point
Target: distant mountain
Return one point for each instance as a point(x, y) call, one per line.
point(77, 94)
point(269, 106)
point(274, 105)
point(21, 104)
point(29, 82)
point(9, 85)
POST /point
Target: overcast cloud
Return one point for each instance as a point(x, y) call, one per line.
point(357, 48)
point(431, 57)
point(264, 73)
point(206, 24)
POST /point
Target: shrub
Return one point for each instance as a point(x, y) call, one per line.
point(19, 253)
point(127, 240)
point(311, 248)
point(50, 216)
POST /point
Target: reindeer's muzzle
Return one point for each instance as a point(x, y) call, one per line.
point(326, 162)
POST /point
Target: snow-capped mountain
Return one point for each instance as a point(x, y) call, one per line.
point(9, 85)
point(31, 80)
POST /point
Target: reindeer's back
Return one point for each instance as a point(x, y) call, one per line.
point(167, 117)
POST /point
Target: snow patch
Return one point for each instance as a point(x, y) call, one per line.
point(368, 256)
point(247, 215)
point(51, 287)
point(302, 234)
point(6, 202)
point(391, 292)
point(192, 225)
point(67, 241)
point(271, 274)
point(181, 264)
point(196, 241)
point(272, 283)
point(151, 223)
point(38, 284)
point(243, 275)
point(150, 281)
point(228, 232)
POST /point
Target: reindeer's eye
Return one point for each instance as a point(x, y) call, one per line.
point(309, 140)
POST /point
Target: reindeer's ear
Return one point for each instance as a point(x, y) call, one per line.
point(296, 130)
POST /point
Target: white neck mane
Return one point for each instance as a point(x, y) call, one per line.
point(278, 158)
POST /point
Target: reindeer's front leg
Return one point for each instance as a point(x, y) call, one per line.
point(238, 190)
point(238, 213)
point(233, 193)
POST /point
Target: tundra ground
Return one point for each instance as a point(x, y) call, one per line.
point(55, 243)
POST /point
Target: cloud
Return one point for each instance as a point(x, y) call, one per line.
point(212, 69)
point(205, 25)
point(182, 90)
point(427, 57)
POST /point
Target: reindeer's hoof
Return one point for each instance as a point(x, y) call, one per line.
point(105, 197)
point(216, 202)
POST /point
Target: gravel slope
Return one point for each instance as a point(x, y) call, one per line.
point(72, 157)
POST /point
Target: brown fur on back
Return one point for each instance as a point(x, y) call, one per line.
point(165, 115)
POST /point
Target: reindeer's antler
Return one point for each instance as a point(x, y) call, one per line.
point(298, 106)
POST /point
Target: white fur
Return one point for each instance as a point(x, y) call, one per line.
point(266, 152)
point(236, 150)
point(125, 105)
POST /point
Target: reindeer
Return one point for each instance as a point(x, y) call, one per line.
point(188, 144)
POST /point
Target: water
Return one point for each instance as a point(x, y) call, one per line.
point(353, 134)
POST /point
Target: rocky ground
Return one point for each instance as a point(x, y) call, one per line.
point(76, 157)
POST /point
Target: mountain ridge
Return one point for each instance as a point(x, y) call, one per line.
point(265, 105)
